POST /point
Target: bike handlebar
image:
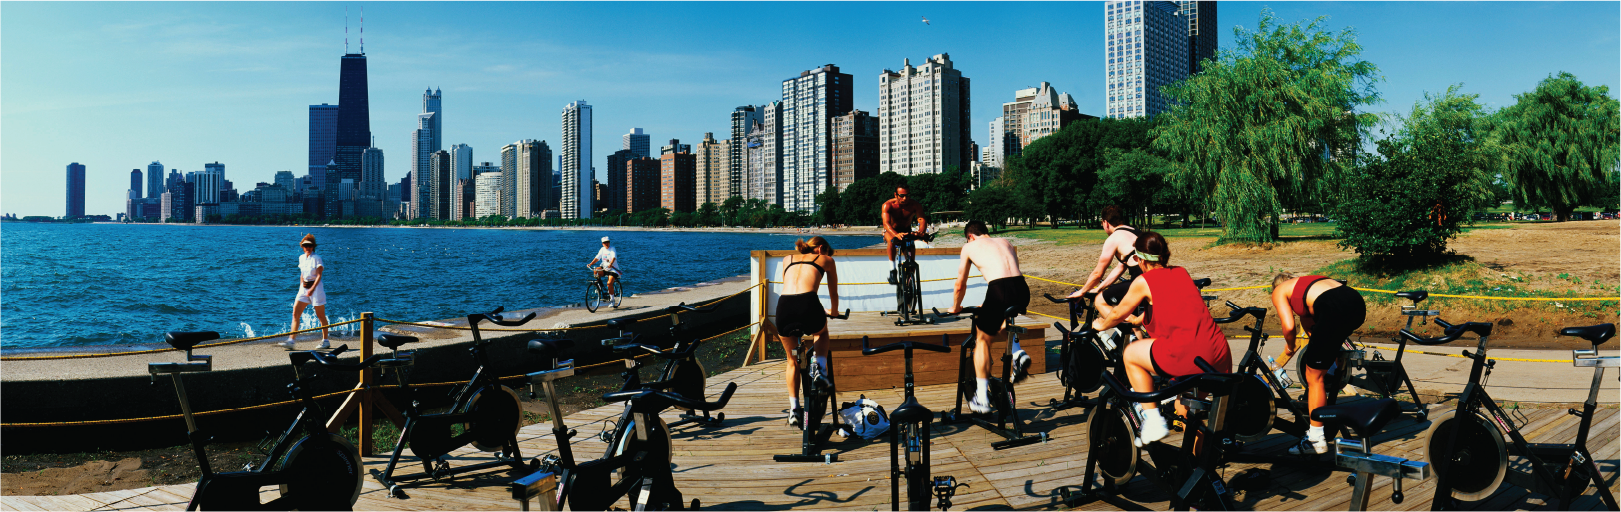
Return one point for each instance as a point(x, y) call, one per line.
point(928, 237)
point(1088, 296)
point(845, 316)
point(943, 347)
point(1452, 332)
point(633, 347)
point(684, 308)
point(494, 317)
point(1238, 313)
point(665, 400)
point(1179, 385)
point(330, 360)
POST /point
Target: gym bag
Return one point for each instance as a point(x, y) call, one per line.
point(864, 418)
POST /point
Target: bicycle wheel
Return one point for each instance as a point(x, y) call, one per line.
point(1253, 410)
point(593, 296)
point(619, 292)
point(1332, 382)
point(917, 290)
point(1113, 445)
point(326, 473)
point(919, 485)
point(1479, 457)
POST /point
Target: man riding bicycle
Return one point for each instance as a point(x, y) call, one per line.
point(1117, 248)
point(897, 215)
point(998, 262)
point(610, 265)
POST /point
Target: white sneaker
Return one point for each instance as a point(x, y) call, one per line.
point(325, 345)
point(979, 404)
point(1154, 429)
point(1108, 337)
point(1308, 447)
point(1021, 366)
point(286, 344)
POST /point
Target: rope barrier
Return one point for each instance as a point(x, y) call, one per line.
point(172, 349)
point(285, 402)
point(887, 283)
point(1478, 297)
point(553, 329)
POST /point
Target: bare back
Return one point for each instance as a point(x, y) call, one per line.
point(995, 258)
point(805, 278)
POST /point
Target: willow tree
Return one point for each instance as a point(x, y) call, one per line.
point(1261, 125)
point(1561, 141)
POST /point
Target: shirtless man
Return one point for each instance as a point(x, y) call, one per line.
point(897, 214)
point(998, 261)
point(1116, 248)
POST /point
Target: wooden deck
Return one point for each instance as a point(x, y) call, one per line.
point(856, 372)
point(731, 468)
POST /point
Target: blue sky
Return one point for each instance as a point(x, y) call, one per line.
point(115, 86)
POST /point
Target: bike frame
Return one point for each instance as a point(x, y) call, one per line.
point(1007, 423)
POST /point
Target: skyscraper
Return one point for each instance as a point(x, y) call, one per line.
point(616, 178)
point(461, 158)
point(354, 125)
point(641, 184)
point(638, 143)
point(323, 139)
point(1201, 18)
point(533, 179)
point(995, 152)
point(855, 148)
point(1145, 48)
point(372, 184)
point(809, 104)
point(714, 170)
point(675, 146)
point(431, 105)
point(154, 179)
point(678, 181)
point(763, 178)
point(1048, 112)
point(439, 184)
point(487, 187)
point(744, 119)
point(422, 148)
point(75, 193)
point(575, 202)
point(135, 184)
point(924, 120)
point(287, 180)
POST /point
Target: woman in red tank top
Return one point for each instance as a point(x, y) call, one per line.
point(1179, 326)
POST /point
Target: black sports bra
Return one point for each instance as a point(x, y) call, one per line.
point(811, 262)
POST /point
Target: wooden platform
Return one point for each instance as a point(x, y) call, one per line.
point(731, 468)
point(856, 372)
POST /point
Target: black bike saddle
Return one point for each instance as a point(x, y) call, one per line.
point(1416, 295)
point(1597, 334)
point(393, 341)
point(1013, 312)
point(186, 340)
point(549, 348)
point(620, 324)
point(1201, 282)
point(1366, 418)
point(910, 412)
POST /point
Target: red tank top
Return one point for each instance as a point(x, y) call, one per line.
point(1297, 299)
point(1181, 325)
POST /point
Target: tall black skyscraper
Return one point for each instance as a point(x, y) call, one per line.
point(75, 195)
point(354, 129)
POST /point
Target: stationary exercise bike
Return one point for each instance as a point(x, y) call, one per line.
point(1382, 376)
point(543, 483)
point(1258, 400)
point(909, 428)
point(486, 410)
point(1189, 473)
point(316, 469)
point(1081, 363)
point(1467, 447)
point(909, 283)
point(1363, 420)
point(1003, 420)
point(815, 402)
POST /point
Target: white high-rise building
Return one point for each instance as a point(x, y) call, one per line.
point(994, 151)
point(575, 156)
point(423, 144)
point(431, 105)
point(924, 123)
point(487, 193)
point(461, 161)
point(762, 178)
point(206, 185)
point(639, 144)
point(1145, 48)
point(809, 104)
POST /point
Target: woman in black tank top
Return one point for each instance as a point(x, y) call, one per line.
point(800, 313)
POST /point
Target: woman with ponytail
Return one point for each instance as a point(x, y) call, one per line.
point(800, 312)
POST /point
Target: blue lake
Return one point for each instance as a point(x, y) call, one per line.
point(99, 284)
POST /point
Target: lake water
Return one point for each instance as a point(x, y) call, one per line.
point(98, 284)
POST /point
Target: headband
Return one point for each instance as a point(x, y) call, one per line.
point(1147, 257)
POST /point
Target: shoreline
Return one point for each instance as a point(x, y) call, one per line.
point(845, 231)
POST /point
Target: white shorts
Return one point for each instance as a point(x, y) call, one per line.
point(316, 298)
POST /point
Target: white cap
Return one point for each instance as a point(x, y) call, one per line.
point(604, 239)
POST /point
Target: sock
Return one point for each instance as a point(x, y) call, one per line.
point(984, 388)
point(793, 403)
point(1315, 435)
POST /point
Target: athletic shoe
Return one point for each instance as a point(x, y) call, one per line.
point(1108, 337)
point(1154, 429)
point(326, 344)
point(794, 418)
point(1307, 447)
point(286, 344)
point(1021, 366)
point(819, 379)
point(980, 405)
point(892, 278)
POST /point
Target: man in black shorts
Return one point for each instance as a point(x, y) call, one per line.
point(1329, 311)
point(1117, 248)
point(998, 262)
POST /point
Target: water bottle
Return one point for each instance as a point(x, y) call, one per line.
point(1281, 373)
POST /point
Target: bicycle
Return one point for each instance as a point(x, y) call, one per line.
point(1383, 376)
point(597, 293)
point(1080, 364)
point(814, 403)
point(909, 284)
point(683, 373)
point(1364, 420)
point(316, 469)
point(1003, 419)
point(1466, 444)
point(909, 427)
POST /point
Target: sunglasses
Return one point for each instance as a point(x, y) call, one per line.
point(903, 196)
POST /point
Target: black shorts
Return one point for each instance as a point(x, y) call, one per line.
point(1001, 294)
point(1113, 293)
point(1336, 314)
point(800, 314)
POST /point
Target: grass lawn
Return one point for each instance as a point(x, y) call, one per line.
point(1071, 235)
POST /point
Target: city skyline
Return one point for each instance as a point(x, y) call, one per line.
point(234, 83)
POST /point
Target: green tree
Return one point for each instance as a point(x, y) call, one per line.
point(729, 210)
point(1260, 126)
point(1057, 173)
point(1424, 183)
point(1133, 180)
point(827, 206)
point(942, 192)
point(994, 204)
point(1562, 145)
point(860, 203)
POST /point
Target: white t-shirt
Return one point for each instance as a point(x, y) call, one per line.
point(609, 259)
point(307, 263)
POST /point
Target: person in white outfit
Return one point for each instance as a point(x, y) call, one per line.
point(610, 265)
point(311, 291)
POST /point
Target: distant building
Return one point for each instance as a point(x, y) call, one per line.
point(75, 192)
point(763, 178)
point(1145, 48)
point(575, 202)
point(1046, 113)
point(600, 191)
point(323, 139)
point(154, 180)
point(809, 104)
point(675, 146)
point(373, 186)
point(432, 100)
point(134, 184)
point(532, 181)
point(855, 148)
point(286, 180)
point(616, 178)
point(678, 187)
point(744, 119)
point(642, 184)
point(639, 144)
point(1201, 18)
point(354, 125)
point(714, 173)
point(461, 161)
point(423, 144)
point(487, 191)
point(924, 118)
point(439, 185)
point(205, 189)
point(462, 198)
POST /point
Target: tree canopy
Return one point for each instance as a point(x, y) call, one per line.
point(1562, 145)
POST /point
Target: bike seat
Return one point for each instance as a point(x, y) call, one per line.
point(1597, 334)
point(549, 348)
point(620, 324)
point(393, 341)
point(186, 340)
point(910, 412)
point(1416, 295)
point(1014, 312)
point(1201, 282)
point(1365, 418)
